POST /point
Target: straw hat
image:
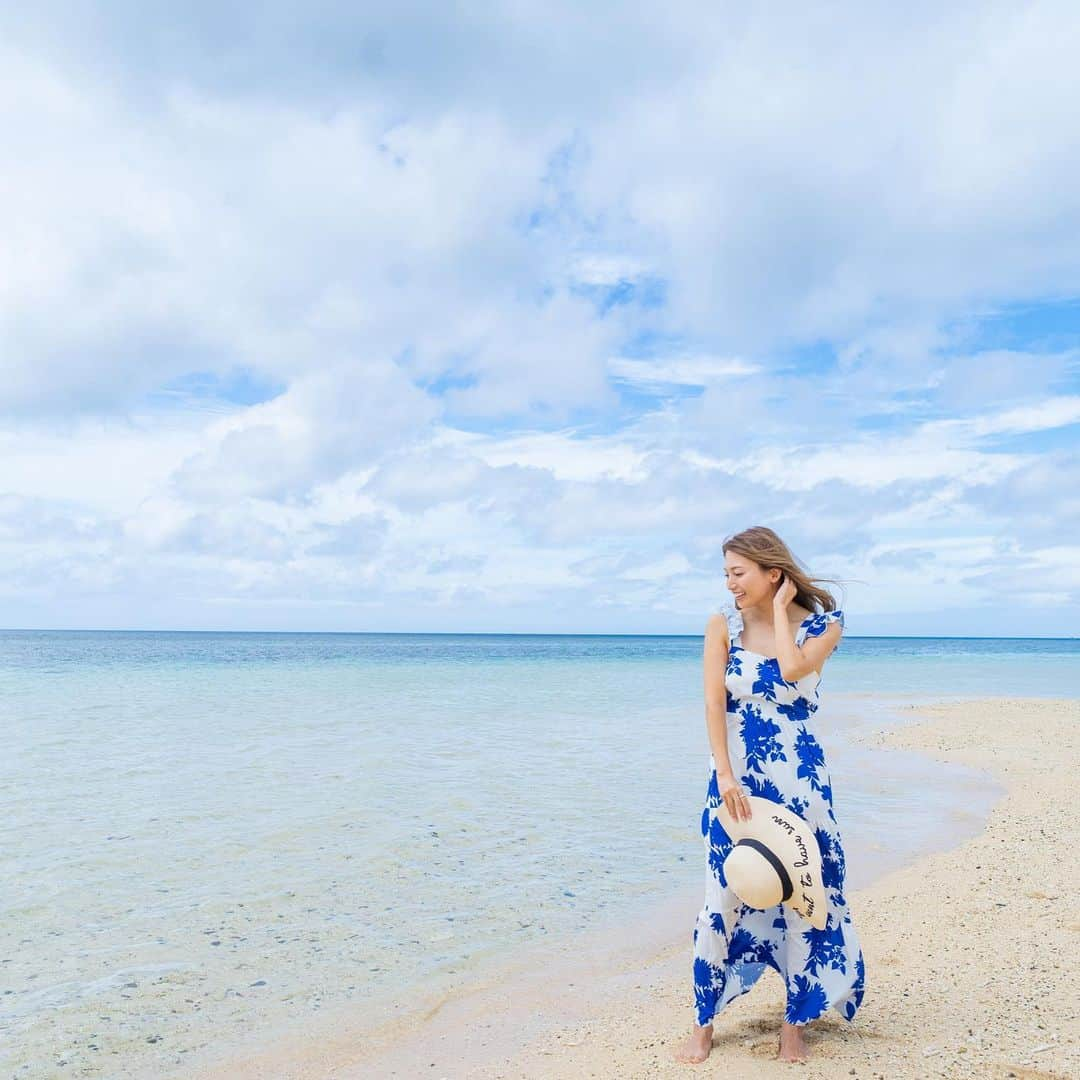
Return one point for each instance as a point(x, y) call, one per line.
point(774, 859)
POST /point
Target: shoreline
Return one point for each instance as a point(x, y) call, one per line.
point(571, 1015)
point(966, 948)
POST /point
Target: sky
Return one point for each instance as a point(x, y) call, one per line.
point(503, 317)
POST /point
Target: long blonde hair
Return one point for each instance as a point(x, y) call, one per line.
point(764, 547)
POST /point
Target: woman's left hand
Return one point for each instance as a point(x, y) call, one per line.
point(785, 594)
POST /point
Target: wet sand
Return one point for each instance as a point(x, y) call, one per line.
point(969, 954)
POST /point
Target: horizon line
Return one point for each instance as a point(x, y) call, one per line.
point(507, 633)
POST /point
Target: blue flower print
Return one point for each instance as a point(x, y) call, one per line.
point(743, 946)
point(766, 953)
point(776, 755)
point(716, 864)
point(832, 861)
point(807, 1002)
point(826, 948)
point(748, 974)
point(719, 848)
point(712, 796)
point(826, 794)
point(798, 711)
point(858, 990)
point(811, 757)
point(763, 787)
point(709, 982)
point(748, 949)
point(718, 837)
point(818, 624)
point(769, 678)
point(759, 735)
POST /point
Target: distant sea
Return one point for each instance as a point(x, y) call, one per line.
point(200, 828)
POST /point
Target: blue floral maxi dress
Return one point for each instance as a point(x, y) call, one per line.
point(775, 755)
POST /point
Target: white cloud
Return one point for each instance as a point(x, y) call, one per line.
point(680, 371)
point(566, 456)
point(327, 423)
point(1041, 416)
point(543, 227)
point(669, 566)
point(595, 268)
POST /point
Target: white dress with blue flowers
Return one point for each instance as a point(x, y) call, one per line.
point(775, 754)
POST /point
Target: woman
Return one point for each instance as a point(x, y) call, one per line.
point(763, 664)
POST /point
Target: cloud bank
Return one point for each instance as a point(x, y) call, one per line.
point(503, 321)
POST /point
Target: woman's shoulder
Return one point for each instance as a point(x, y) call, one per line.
point(820, 621)
point(724, 619)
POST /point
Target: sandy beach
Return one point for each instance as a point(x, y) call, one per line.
point(970, 956)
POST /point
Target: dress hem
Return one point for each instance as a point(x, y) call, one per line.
point(836, 1008)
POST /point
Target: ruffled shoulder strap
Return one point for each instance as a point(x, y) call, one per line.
point(815, 625)
point(733, 616)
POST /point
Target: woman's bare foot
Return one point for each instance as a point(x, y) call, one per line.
point(792, 1047)
point(695, 1048)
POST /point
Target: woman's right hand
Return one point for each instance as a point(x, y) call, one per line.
point(734, 796)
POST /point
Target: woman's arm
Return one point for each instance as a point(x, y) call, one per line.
point(717, 647)
point(796, 661)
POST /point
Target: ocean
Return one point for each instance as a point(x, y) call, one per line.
point(203, 833)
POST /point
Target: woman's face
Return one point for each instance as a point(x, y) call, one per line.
point(748, 582)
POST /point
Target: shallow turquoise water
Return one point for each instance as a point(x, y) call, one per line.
point(203, 822)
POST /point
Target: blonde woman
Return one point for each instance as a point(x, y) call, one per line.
point(763, 665)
